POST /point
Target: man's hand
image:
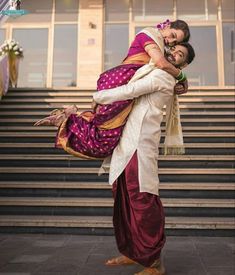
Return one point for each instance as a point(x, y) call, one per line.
point(181, 87)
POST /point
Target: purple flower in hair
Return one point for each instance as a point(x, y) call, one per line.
point(164, 24)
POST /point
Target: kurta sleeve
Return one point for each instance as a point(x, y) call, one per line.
point(154, 81)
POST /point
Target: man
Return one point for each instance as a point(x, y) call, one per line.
point(138, 216)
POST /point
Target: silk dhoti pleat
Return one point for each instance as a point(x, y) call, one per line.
point(138, 218)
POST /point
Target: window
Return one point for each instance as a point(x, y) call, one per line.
point(39, 11)
point(116, 44)
point(33, 67)
point(116, 10)
point(66, 10)
point(152, 10)
point(228, 9)
point(211, 5)
point(203, 70)
point(229, 53)
point(189, 10)
point(2, 36)
point(116, 32)
point(65, 56)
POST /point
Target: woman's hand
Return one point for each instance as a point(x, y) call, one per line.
point(181, 87)
point(94, 105)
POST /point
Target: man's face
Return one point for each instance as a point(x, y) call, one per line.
point(178, 56)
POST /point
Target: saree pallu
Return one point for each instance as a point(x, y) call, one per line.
point(138, 218)
point(91, 135)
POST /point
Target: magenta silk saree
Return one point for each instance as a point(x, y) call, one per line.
point(94, 135)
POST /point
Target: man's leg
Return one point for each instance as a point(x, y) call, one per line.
point(138, 218)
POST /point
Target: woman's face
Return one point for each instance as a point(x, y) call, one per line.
point(172, 36)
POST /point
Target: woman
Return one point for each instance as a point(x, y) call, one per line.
point(94, 134)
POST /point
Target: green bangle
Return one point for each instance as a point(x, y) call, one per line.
point(182, 77)
point(179, 75)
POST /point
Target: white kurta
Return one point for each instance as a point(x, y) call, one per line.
point(142, 131)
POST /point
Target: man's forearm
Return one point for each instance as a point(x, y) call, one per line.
point(129, 91)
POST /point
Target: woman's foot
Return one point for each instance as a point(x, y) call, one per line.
point(121, 260)
point(57, 116)
point(54, 120)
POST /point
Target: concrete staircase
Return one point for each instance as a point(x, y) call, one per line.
point(43, 189)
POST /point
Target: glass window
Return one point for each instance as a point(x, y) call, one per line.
point(2, 36)
point(191, 10)
point(229, 53)
point(212, 6)
point(65, 55)
point(116, 44)
point(203, 70)
point(228, 9)
point(39, 11)
point(138, 29)
point(116, 10)
point(33, 67)
point(152, 10)
point(66, 10)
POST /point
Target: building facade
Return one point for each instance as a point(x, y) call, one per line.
point(68, 43)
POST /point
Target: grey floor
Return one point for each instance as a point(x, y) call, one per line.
point(85, 255)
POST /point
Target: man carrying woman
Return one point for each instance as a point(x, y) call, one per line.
point(138, 216)
point(95, 134)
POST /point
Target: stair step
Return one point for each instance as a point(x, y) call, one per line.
point(204, 106)
point(182, 113)
point(68, 94)
point(77, 100)
point(73, 158)
point(92, 170)
point(104, 185)
point(106, 222)
point(199, 129)
point(108, 202)
point(90, 93)
point(185, 128)
point(198, 120)
point(51, 145)
point(51, 134)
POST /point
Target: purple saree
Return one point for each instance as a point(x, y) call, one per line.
point(96, 134)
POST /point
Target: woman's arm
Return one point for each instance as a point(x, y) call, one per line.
point(160, 61)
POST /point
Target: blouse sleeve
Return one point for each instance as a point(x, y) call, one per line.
point(144, 40)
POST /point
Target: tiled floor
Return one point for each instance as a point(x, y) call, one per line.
point(85, 255)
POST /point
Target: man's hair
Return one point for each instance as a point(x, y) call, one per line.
point(191, 52)
point(181, 25)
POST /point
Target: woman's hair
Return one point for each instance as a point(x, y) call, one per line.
point(191, 52)
point(181, 25)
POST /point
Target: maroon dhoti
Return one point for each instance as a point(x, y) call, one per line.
point(138, 218)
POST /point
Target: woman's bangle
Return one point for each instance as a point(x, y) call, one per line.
point(181, 77)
